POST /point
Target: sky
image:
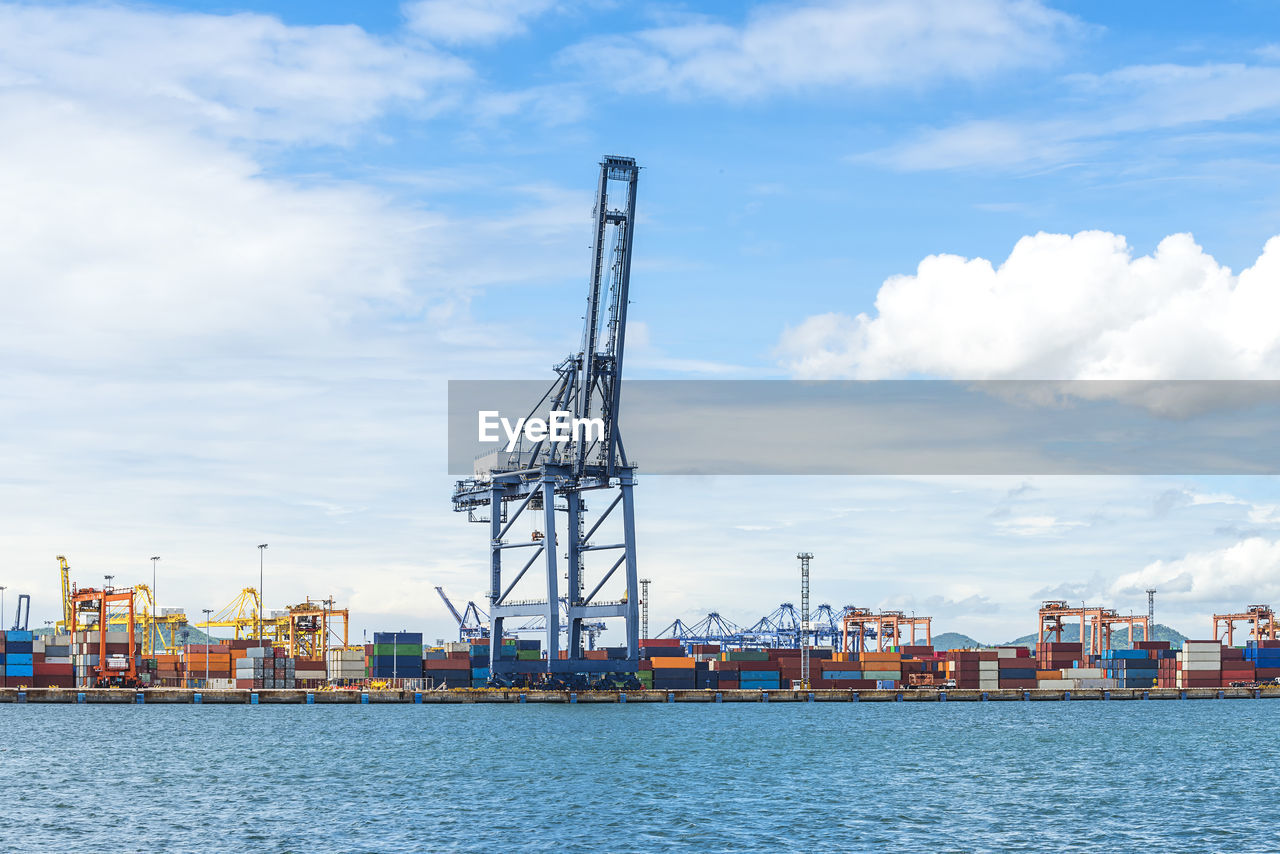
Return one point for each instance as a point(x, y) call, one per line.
point(246, 245)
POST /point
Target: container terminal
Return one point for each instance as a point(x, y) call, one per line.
point(113, 645)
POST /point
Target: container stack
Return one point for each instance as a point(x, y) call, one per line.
point(397, 655)
point(207, 661)
point(1200, 664)
point(1235, 667)
point(18, 659)
point(885, 668)
point(676, 673)
point(51, 662)
point(1015, 668)
point(1058, 656)
point(1130, 668)
point(347, 665)
point(978, 668)
point(449, 667)
point(479, 659)
point(1265, 656)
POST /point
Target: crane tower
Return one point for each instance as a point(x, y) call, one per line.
point(555, 478)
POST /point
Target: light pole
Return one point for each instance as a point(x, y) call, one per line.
point(108, 579)
point(207, 612)
point(804, 558)
point(262, 547)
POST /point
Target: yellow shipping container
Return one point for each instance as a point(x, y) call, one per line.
point(672, 663)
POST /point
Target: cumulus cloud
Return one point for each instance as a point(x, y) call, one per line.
point(830, 44)
point(473, 21)
point(197, 346)
point(1248, 570)
point(1060, 307)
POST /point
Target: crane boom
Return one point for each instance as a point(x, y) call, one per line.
point(449, 605)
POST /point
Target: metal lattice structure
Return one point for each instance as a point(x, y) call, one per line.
point(1097, 624)
point(1260, 620)
point(804, 558)
point(555, 477)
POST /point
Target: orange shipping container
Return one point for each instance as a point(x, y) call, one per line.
point(670, 663)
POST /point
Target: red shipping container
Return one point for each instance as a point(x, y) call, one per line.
point(729, 684)
point(1017, 683)
point(660, 642)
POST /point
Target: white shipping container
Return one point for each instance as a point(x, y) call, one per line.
point(1084, 673)
point(1007, 652)
point(1094, 684)
point(1202, 665)
point(1057, 684)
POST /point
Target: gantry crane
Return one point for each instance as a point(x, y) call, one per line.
point(554, 477)
point(155, 626)
point(240, 615)
point(21, 617)
point(311, 627)
point(886, 627)
point(471, 621)
point(1260, 619)
point(64, 569)
point(1097, 624)
point(98, 609)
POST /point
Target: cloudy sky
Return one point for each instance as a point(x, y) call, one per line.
point(245, 246)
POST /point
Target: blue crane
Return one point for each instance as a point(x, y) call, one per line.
point(554, 477)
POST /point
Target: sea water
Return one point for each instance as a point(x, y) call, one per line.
point(1187, 776)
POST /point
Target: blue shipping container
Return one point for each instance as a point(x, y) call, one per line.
point(11, 670)
point(479, 673)
point(17, 658)
point(18, 636)
point(842, 674)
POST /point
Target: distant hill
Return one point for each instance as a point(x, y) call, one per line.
point(1119, 639)
point(954, 640)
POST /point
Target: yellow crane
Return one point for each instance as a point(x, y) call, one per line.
point(155, 626)
point(241, 616)
point(68, 613)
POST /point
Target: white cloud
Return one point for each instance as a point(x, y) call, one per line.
point(1248, 570)
point(473, 21)
point(1132, 100)
point(197, 348)
point(830, 44)
point(1059, 307)
point(1037, 526)
point(244, 76)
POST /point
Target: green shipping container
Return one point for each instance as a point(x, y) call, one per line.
point(646, 678)
point(748, 655)
point(401, 649)
point(528, 655)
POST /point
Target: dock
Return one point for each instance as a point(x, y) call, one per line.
point(193, 696)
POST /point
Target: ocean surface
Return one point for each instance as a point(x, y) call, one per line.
point(1190, 776)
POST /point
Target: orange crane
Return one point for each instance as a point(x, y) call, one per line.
point(1097, 624)
point(1260, 619)
point(887, 626)
point(95, 610)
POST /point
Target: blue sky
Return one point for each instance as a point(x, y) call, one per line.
point(248, 244)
